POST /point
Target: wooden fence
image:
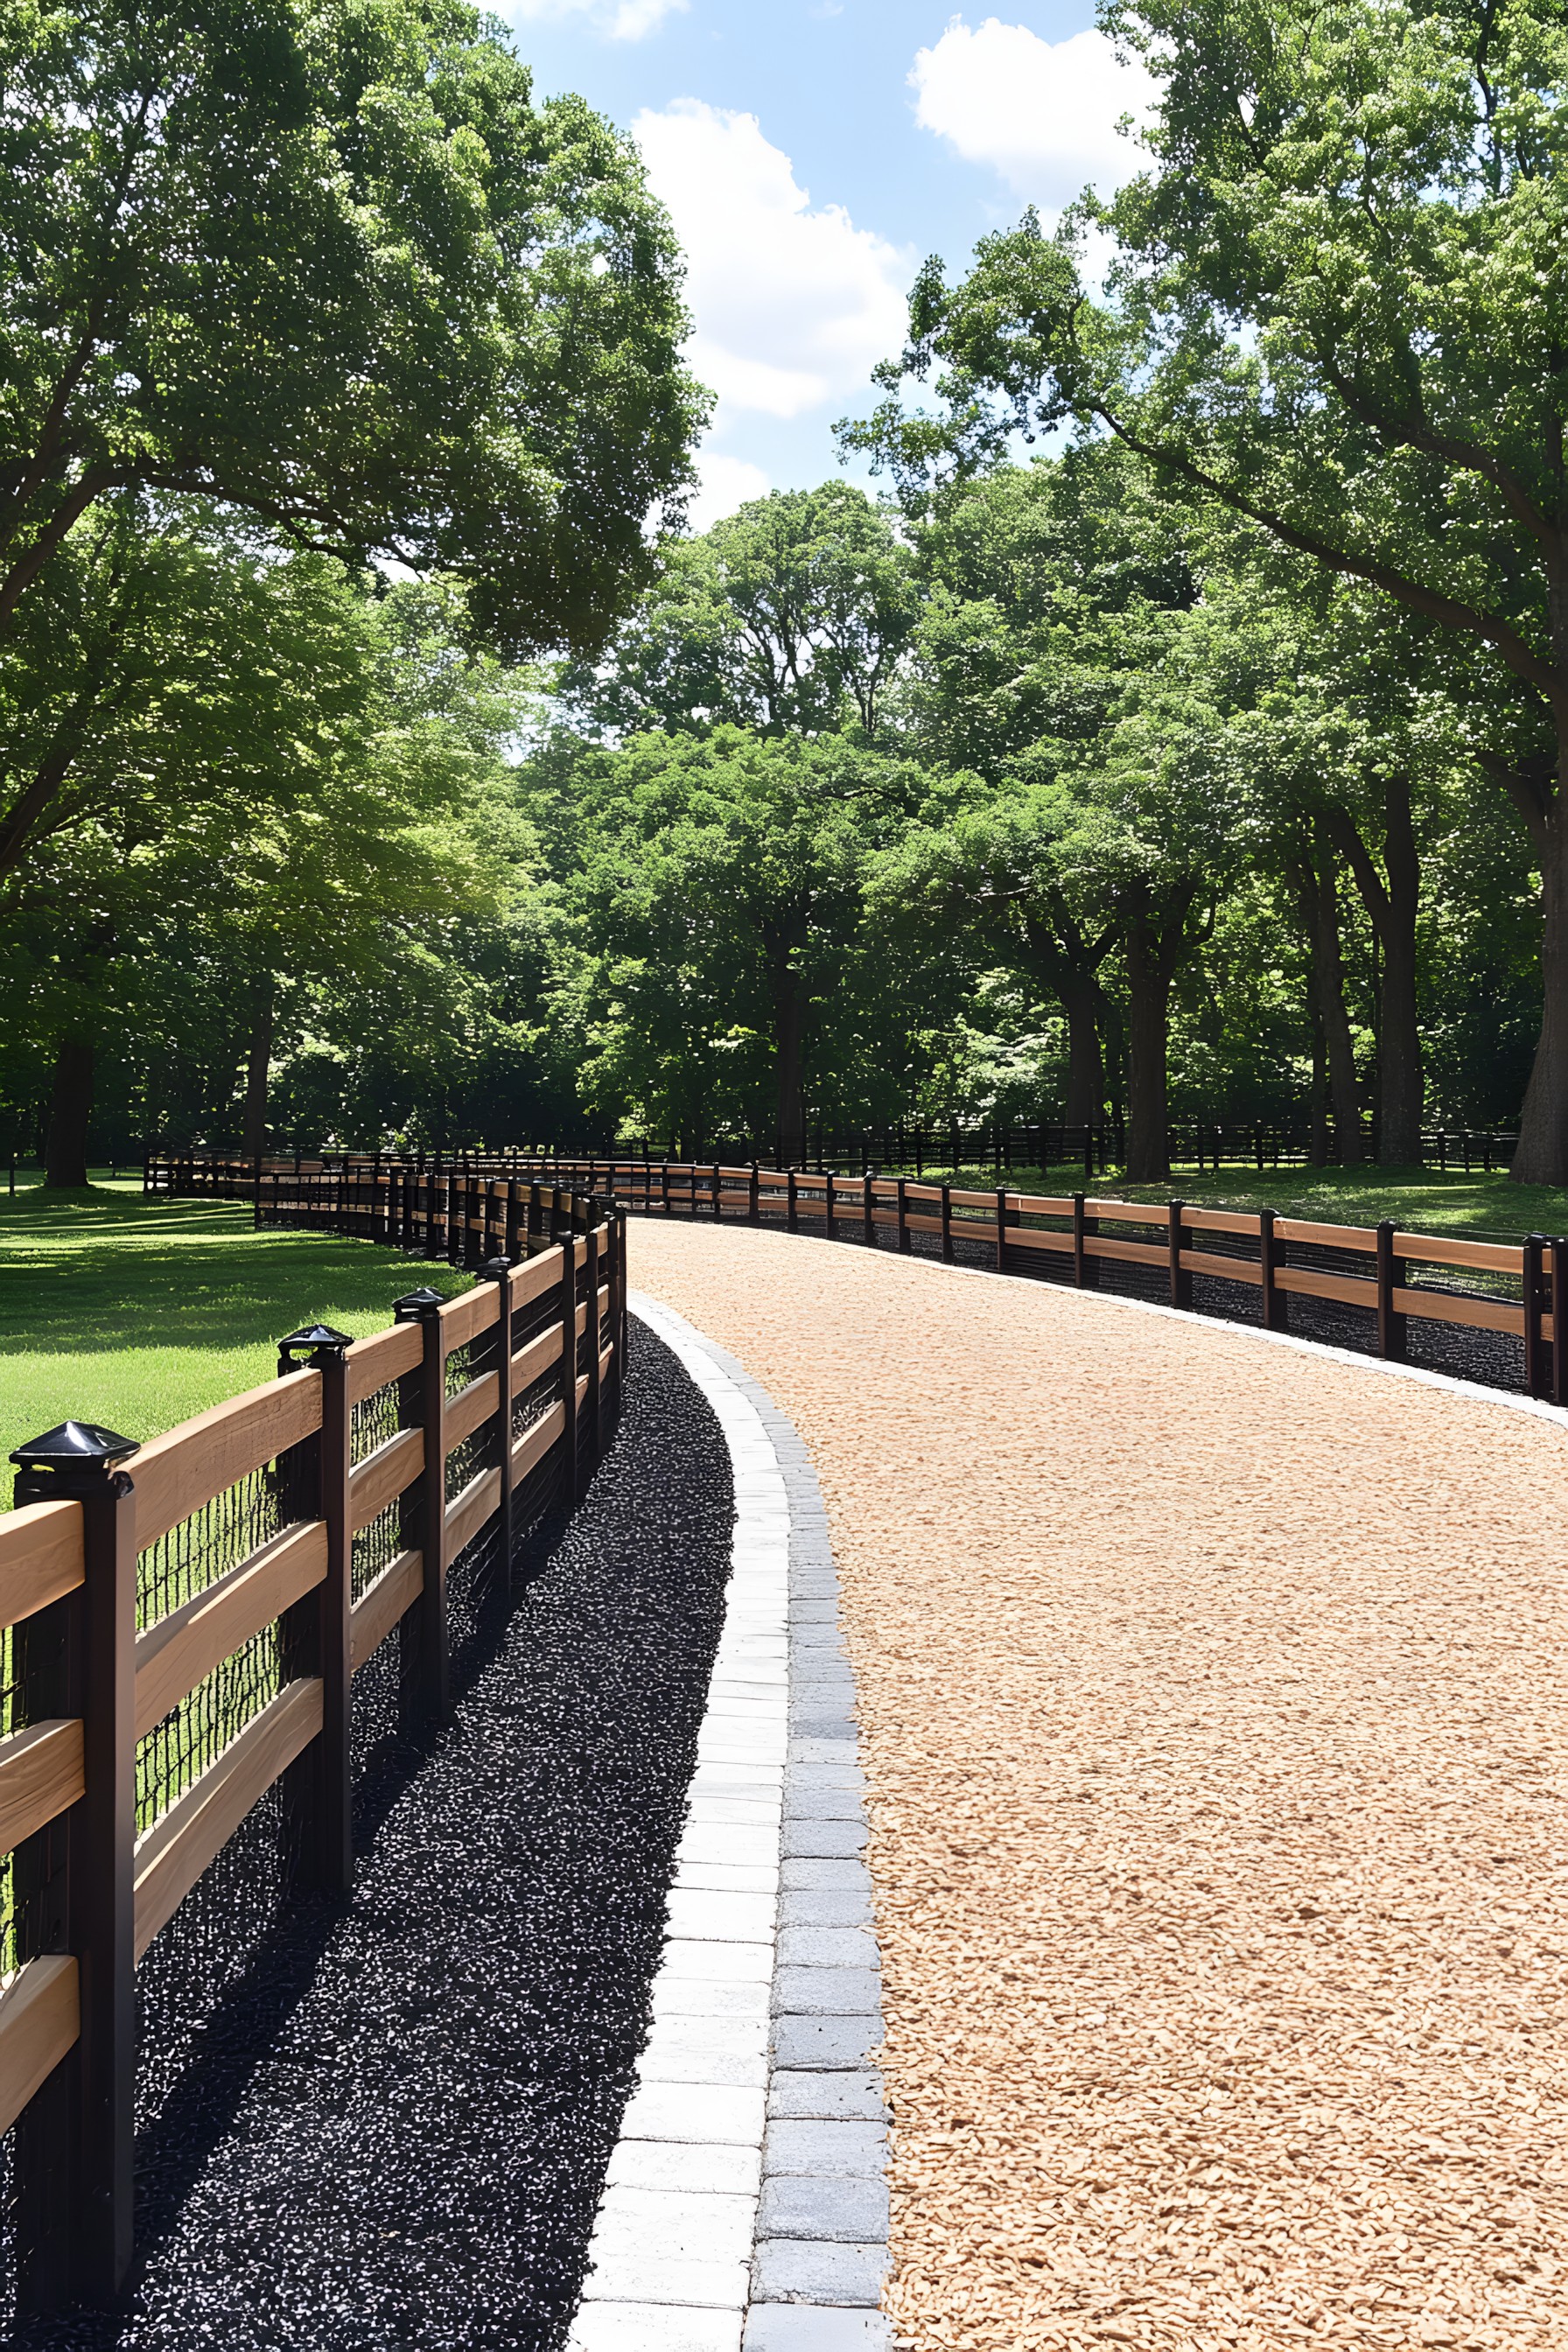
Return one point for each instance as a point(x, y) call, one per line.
point(183, 1619)
point(1394, 1276)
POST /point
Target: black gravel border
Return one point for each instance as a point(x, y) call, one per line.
point(392, 2128)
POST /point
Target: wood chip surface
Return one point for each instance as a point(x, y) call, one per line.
point(1213, 1696)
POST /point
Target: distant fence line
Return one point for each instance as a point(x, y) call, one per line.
point(1002, 1145)
point(1201, 1143)
point(183, 1619)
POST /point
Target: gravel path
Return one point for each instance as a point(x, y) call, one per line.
point(392, 2128)
point(1213, 1696)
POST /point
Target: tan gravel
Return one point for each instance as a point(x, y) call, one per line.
point(1213, 1700)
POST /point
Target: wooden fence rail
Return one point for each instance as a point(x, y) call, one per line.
point(184, 1618)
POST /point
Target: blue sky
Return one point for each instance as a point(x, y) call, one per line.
point(812, 152)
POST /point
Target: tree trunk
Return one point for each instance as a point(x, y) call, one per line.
point(258, 1071)
point(1156, 943)
point(1318, 1115)
point(1081, 997)
point(788, 1027)
point(1542, 1156)
point(1320, 912)
point(1394, 907)
point(70, 1107)
point(1403, 1079)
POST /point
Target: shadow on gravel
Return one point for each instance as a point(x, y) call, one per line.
point(393, 2126)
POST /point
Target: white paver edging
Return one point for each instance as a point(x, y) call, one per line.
point(671, 2258)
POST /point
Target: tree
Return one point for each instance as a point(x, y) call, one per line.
point(277, 799)
point(1048, 587)
point(719, 887)
point(1338, 314)
point(330, 270)
point(789, 617)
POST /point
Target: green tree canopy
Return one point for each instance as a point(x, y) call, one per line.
point(1339, 312)
point(789, 617)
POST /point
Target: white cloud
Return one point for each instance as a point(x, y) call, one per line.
point(618, 20)
point(792, 306)
point(726, 483)
point(1043, 114)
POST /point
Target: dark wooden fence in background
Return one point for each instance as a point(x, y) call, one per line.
point(1200, 1143)
point(183, 1619)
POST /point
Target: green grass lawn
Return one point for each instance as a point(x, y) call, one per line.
point(138, 1313)
point(1487, 1207)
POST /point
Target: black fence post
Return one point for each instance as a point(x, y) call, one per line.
point(1558, 1249)
point(718, 1194)
point(569, 1362)
point(791, 1220)
point(498, 1271)
point(1533, 1287)
point(1181, 1276)
point(947, 1224)
point(1391, 1327)
point(318, 1789)
point(1085, 1268)
point(81, 2246)
point(868, 1211)
point(1270, 1250)
point(1001, 1230)
point(595, 1336)
point(425, 1624)
point(901, 1208)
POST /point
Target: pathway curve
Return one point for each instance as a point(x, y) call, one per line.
point(1212, 1694)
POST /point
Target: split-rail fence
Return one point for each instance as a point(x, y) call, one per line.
point(183, 1621)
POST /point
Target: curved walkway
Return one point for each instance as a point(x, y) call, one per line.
point(1211, 1694)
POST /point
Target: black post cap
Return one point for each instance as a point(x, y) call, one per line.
point(313, 1339)
point(317, 1335)
point(72, 1445)
point(495, 1268)
point(416, 1305)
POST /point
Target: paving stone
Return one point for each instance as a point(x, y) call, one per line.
point(808, 2270)
point(668, 2278)
point(823, 2147)
point(823, 2205)
point(807, 2327)
point(710, 2112)
point(817, 1840)
point(699, 2166)
point(812, 1801)
point(840, 1748)
point(847, 2094)
point(816, 1873)
point(808, 1721)
point(706, 1916)
point(826, 1992)
point(825, 1907)
point(826, 1946)
point(658, 2327)
point(835, 2041)
point(680, 2225)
